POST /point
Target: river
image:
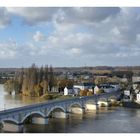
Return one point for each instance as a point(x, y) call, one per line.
point(105, 120)
point(11, 101)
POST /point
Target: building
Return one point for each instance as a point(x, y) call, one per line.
point(69, 91)
point(76, 91)
point(124, 79)
point(136, 85)
point(127, 93)
point(115, 85)
point(96, 89)
point(138, 97)
point(83, 86)
point(135, 79)
point(105, 87)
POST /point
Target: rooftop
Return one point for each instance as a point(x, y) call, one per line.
point(85, 84)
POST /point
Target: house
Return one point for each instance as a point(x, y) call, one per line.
point(76, 91)
point(135, 78)
point(107, 88)
point(84, 86)
point(127, 93)
point(124, 79)
point(96, 89)
point(69, 91)
point(136, 85)
point(115, 85)
point(138, 97)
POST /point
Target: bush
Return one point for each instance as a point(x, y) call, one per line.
point(50, 96)
point(89, 93)
point(100, 91)
point(83, 93)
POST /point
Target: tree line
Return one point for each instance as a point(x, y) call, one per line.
point(32, 81)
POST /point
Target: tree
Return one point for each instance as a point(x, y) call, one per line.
point(9, 86)
point(100, 91)
point(46, 72)
point(17, 87)
point(18, 81)
point(40, 74)
point(44, 85)
point(32, 81)
point(101, 80)
point(64, 83)
point(51, 78)
point(38, 90)
point(25, 84)
point(89, 93)
point(83, 92)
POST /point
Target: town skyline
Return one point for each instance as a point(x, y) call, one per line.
point(69, 36)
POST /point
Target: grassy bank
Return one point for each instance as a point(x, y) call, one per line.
point(55, 96)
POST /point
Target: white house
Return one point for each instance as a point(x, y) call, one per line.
point(96, 89)
point(138, 97)
point(124, 79)
point(106, 88)
point(76, 91)
point(84, 86)
point(135, 78)
point(68, 91)
point(116, 86)
point(136, 84)
point(127, 92)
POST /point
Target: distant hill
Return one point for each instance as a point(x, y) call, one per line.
point(87, 68)
point(9, 69)
point(98, 69)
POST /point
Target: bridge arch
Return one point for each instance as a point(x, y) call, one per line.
point(54, 108)
point(75, 104)
point(31, 114)
point(113, 97)
point(90, 101)
point(104, 99)
point(11, 120)
point(75, 107)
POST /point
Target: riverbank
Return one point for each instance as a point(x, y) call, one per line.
point(55, 96)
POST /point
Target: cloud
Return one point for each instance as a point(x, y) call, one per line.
point(8, 50)
point(38, 36)
point(33, 15)
point(13, 50)
point(74, 15)
point(4, 18)
point(87, 15)
point(108, 35)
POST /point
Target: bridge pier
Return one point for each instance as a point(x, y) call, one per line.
point(77, 110)
point(92, 107)
point(40, 120)
point(113, 102)
point(103, 104)
point(10, 127)
point(58, 114)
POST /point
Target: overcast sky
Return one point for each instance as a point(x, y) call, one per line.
point(69, 36)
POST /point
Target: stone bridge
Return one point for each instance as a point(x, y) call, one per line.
point(41, 112)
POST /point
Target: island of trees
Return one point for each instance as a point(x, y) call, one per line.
point(32, 81)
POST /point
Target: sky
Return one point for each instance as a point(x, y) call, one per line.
point(69, 36)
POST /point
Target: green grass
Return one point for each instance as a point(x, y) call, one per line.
point(55, 96)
